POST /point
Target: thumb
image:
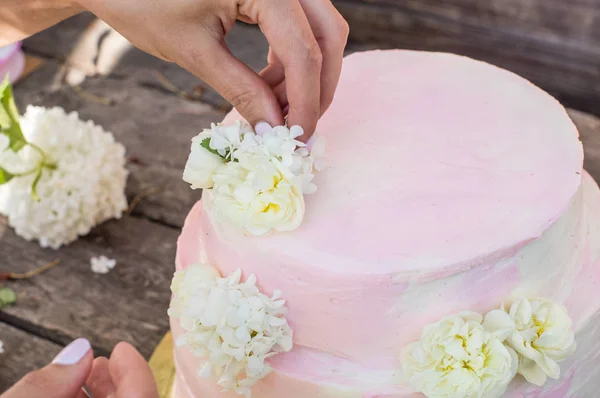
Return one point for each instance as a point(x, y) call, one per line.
point(63, 378)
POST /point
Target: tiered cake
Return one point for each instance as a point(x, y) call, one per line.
point(450, 185)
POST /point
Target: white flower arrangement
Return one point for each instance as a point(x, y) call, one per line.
point(468, 355)
point(59, 176)
point(230, 324)
point(258, 181)
point(457, 358)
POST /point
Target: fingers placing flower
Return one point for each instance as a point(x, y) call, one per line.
point(542, 337)
point(258, 181)
point(456, 357)
point(230, 323)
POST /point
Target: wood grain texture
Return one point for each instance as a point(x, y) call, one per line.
point(555, 44)
point(70, 301)
point(589, 130)
point(23, 353)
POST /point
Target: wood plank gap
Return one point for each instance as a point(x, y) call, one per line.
point(508, 34)
point(55, 337)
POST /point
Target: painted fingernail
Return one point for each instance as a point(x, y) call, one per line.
point(309, 143)
point(73, 353)
point(262, 128)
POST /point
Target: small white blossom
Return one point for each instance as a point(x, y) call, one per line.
point(225, 139)
point(230, 324)
point(86, 188)
point(102, 264)
point(457, 358)
point(541, 335)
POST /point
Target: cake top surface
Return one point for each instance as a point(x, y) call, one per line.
point(433, 161)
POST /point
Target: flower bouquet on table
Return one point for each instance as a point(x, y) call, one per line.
point(59, 176)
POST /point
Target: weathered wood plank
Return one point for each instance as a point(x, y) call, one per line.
point(589, 130)
point(70, 301)
point(23, 353)
point(553, 43)
point(557, 20)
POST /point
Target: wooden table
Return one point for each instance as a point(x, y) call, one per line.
point(136, 100)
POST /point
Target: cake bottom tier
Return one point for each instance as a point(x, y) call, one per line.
point(306, 373)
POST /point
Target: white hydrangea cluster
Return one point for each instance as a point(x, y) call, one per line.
point(468, 355)
point(84, 187)
point(258, 181)
point(230, 323)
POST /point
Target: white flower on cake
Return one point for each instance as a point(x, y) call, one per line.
point(258, 181)
point(230, 323)
point(258, 195)
point(59, 176)
point(541, 335)
point(457, 358)
point(201, 164)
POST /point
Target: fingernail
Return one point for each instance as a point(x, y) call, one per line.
point(73, 353)
point(262, 128)
point(286, 110)
point(309, 143)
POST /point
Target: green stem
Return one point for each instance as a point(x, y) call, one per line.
point(33, 171)
point(44, 164)
point(37, 148)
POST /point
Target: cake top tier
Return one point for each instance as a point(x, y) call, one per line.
point(433, 161)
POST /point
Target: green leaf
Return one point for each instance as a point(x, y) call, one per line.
point(5, 176)
point(205, 143)
point(7, 297)
point(9, 117)
point(34, 194)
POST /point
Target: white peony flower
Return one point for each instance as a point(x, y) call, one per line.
point(85, 187)
point(201, 164)
point(542, 336)
point(258, 195)
point(457, 358)
point(230, 323)
point(102, 264)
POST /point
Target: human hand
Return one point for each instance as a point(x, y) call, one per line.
point(125, 375)
point(306, 37)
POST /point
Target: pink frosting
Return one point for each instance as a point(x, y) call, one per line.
point(450, 185)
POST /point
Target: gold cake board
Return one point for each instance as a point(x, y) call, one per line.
point(163, 366)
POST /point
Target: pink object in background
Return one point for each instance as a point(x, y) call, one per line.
point(12, 61)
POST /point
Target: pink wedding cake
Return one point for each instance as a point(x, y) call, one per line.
point(452, 249)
